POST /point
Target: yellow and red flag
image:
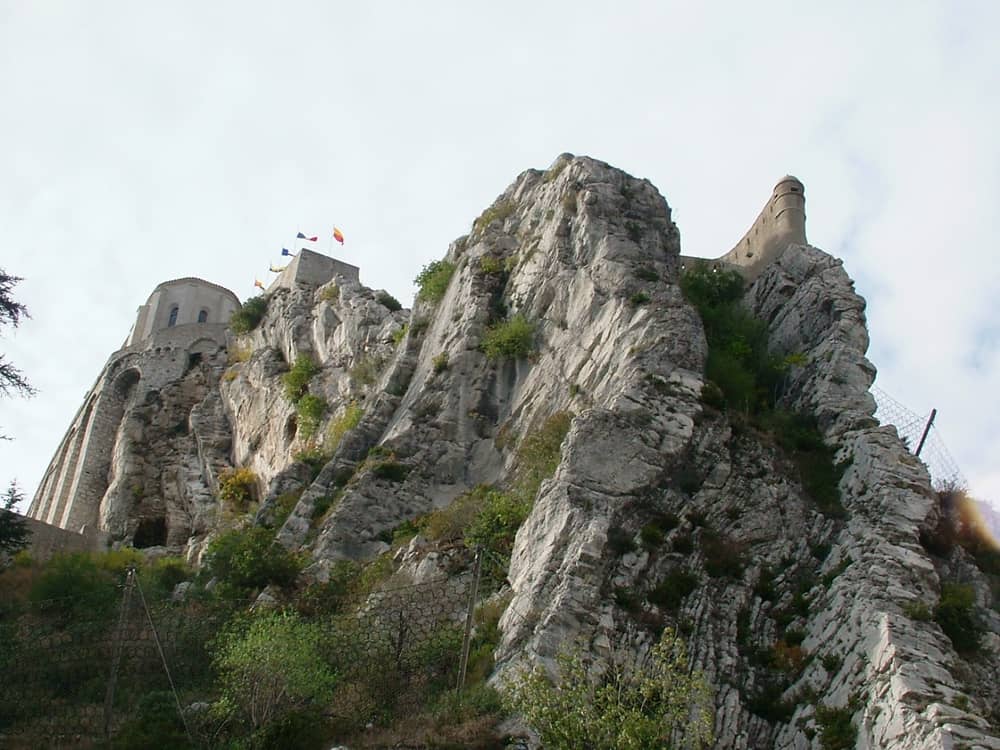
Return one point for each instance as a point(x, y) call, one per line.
point(338, 235)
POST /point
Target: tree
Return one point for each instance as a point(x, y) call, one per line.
point(14, 531)
point(271, 667)
point(638, 701)
point(12, 380)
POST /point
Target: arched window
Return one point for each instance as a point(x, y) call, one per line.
point(173, 316)
point(203, 316)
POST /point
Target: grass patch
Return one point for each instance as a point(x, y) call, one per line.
point(440, 362)
point(339, 426)
point(330, 293)
point(509, 339)
point(499, 211)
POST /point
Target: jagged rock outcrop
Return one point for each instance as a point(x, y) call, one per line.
point(662, 510)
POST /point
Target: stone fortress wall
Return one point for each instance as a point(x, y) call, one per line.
point(781, 223)
point(183, 321)
point(166, 340)
point(312, 269)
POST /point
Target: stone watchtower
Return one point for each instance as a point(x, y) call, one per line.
point(183, 323)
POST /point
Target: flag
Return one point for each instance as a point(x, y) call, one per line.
point(338, 235)
point(258, 282)
point(301, 236)
point(286, 251)
point(279, 269)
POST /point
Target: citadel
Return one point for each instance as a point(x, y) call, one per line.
point(184, 323)
point(661, 503)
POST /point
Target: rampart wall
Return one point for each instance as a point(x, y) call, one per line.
point(782, 222)
point(313, 269)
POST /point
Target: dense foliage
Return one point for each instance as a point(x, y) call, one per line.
point(637, 702)
point(250, 560)
point(433, 280)
point(14, 532)
point(509, 339)
point(249, 315)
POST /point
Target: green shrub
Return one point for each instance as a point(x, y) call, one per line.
point(956, 614)
point(433, 280)
point(636, 704)
point(568, 202)
point(917, 610)
point(249, 315)
point(639, 298)
point(237, 489)
point(620, 542)
point(645, 273)
point(494, 527)
point(271, 667)
point(440, 362)
point(651, 536)
point(388, 301)
point(836, 730)
point(400, 333)
point(670, 592)
point(309, 410)
point(251, 559)
point(723, 556)
point(739, 362)
point(449, 523)
point(330, 293)
point(161, 576)
point(832, 663)
point(297, 379)
point(538, 454)
point(75, 588)
point(156, 723)
point(391, 471)
point(509, 339)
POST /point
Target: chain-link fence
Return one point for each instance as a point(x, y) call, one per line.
point(76, 670)
point(945, 473)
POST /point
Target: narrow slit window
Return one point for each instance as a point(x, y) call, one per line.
point(203, 316)
point(173, 316)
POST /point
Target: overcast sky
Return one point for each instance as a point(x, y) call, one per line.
point(145, 141)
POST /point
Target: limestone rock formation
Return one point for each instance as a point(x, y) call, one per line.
point(662, 509)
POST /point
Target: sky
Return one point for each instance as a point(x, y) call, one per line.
point(142, 142)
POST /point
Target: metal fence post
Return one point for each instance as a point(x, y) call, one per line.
point(467, 638)
point(109, 698)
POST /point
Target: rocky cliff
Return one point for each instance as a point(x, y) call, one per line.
point(662, 509)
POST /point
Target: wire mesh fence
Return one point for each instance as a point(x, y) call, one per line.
point(76, 670)
point(944, 470)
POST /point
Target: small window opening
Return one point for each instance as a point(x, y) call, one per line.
point(173, 317)
point(203, 316)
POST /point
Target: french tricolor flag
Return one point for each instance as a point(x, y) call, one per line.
point(301, 236)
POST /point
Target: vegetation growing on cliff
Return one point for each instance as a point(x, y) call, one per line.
point(249, 315)
point(639, 701)
point(433, 280)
